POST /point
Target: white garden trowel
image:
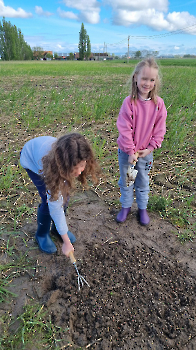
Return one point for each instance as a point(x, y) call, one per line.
point(131, 173)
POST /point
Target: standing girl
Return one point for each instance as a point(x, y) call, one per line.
point(141, 125)
point(52, 164)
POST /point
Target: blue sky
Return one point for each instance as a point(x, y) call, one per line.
point(167, 27)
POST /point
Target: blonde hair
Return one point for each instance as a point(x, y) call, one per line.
point(151, 63)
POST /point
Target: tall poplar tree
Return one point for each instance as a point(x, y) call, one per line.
point(84, 45)
point(88, 47)
point(12, 43)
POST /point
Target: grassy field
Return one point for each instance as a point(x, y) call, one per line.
point(52, 98)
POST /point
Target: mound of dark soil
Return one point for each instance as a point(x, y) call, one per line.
point(140, 295)
point(137, 300)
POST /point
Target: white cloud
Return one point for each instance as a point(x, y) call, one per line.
point(41, 12)
point(178, 20)
point(176, 48)
point(67, 14)
point(7, 11)
point(150, 18)
point(89, 10)
point(82, 5)
point(89, 17)
point(151, 13)
point(157, 20)
point(133, 5)
point(70, 15)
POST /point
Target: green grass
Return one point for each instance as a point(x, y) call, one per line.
point(4, 291)
point(185, 62)
point(166, 208)
point(60, 68)
point(34, 328)
point(51, 98)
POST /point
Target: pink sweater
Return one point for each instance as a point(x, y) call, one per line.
point(141, 125)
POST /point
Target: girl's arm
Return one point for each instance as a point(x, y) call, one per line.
point(58, 216)
point(159, 129)
point(125, 127)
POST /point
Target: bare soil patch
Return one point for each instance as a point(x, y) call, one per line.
point(142, 282)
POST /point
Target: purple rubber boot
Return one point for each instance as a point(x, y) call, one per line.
point(122, 215)
point(144, 218)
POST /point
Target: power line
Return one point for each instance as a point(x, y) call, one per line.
point(117, 43)
point(165, 34)
point(156, 35)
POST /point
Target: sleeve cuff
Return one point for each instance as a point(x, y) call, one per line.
point(151, 148)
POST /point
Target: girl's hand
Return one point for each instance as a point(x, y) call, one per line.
point(132, 158)
point(67, 248)
point(143, 153)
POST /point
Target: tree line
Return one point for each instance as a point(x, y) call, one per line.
point(14, 47)
point(12, 43)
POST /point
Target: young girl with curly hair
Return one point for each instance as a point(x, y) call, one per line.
point(141, 124)
point(53, 164)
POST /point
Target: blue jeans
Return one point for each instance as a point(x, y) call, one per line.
point(141, 184)
point(39, 183)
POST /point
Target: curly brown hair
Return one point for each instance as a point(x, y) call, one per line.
point(149, 62)
point(58, 164)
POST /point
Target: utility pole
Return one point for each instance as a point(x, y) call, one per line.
point(128, 50)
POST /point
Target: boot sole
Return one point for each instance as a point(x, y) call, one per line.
point(120, 222)
point(144, 224)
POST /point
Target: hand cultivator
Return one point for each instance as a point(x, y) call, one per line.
point(81, 279)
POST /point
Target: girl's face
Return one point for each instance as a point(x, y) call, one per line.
point(79, 168)
point(146, 79)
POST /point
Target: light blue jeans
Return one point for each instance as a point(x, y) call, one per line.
point(141, 184)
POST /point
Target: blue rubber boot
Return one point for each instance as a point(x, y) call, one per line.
point(42, 235)
point(69, 233)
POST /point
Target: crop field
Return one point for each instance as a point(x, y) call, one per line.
point(53, 98)
point(42, 98)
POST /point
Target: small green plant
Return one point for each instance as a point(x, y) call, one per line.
point(166, 208)
point(157, 204)
point(22, 210)
point(98, 144)
point(17, 262)
point(186, 235)
point(7, 176)
point(4, 292)
point(34, 326)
